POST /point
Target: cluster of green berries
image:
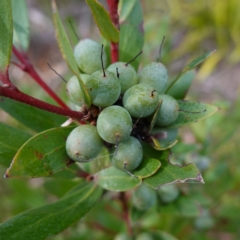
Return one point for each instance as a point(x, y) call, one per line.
point(127, 102)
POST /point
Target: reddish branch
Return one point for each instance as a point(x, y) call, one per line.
point(13, 93)
point(28, 68)
point(113, 11)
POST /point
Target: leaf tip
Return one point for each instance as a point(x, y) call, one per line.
point(54, 6)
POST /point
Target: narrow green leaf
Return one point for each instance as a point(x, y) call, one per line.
point(42, 155)
point(162, 145)
point(180, 88)
point(131, 32)
point(34, 118)
point(154, 118)
point(189, 67)
point(20, 24)
point(169, 173)
point(6, 34)
point(147, 168)
point(116, 180)
point(11, 139)
point(103, 21)
point(66, 50)
point(191, 112)
point(126, 9)
point(46, 221)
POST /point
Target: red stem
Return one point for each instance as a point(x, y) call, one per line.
point(15, 94)
point(28, 67)
point(113, 11)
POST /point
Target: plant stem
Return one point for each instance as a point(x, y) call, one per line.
point(123, 199)
point(15, 94)
point(113, 11)
point(28, 68)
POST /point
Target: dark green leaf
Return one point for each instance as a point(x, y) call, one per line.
point(20, 24)
point(46, 221)
point(148, 167)
point(180, 88)
point(169, 173)
point(116, 180)
point(42, 155)
point(11, 139)
point(189, 67)
point(34, 118)
point(191, 112)
point(131, 32)
point(6, 34)
point(66, 50)
point(103, 21)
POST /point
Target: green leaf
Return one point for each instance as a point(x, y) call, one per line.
point(46, 221)
point(169, 173)
point(191, 112)
point(11, 139)
point(189, 67)
point(34, 118)
point(180, 88)
point(6, 34)
point(131, 31)
point(42, 155)
point(116, 180)
point(148, 167)
point(67, 53)
point(103, 21)
point(160, 146)
point(20, 24)
point(154, 118)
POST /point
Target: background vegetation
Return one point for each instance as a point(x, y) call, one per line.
point(191, 28)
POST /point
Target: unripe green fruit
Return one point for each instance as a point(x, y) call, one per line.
point(114, 124)
point(104, 90)
point(146, 236)
point(168, 112)
point(140, 100)
point(122, 236)
point(87, 54)
point(155, 74)
point(74, 90)
point(168, 193)
point(144, 197)
point(83, 143)
point(127, 74)
point(128, 154)
point(204, 221)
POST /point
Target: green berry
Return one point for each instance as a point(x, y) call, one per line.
point(144, 197)
point(74, 90)
point(155, 74)
point(127, 74)
point(140, 100)
point(128, 154)
point(168, 193)
point(87, 54)
point(104, 90)
point(83, 143)
point(168, 112)
point(114, 124)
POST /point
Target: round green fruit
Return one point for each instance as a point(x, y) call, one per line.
point(128, 154)
point(155, 74)
point(168, 193)
point(114, 124)
point(74, 90)
point(168, 112)
point(127, 74)
point(103, 89)
point(84, 143)
point(87, 54)
point(140, 100)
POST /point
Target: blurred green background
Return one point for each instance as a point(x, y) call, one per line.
point(191, 28)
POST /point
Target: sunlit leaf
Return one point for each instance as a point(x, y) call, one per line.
point(131, 31)
point(6, 34)
point(20, 24)
point(46, 221)
point(42, 155)
point(11, 139)
point(103, 21)
point(116, 180)
point(67, 52)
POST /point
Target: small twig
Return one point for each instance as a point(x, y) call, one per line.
point(56, 72)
